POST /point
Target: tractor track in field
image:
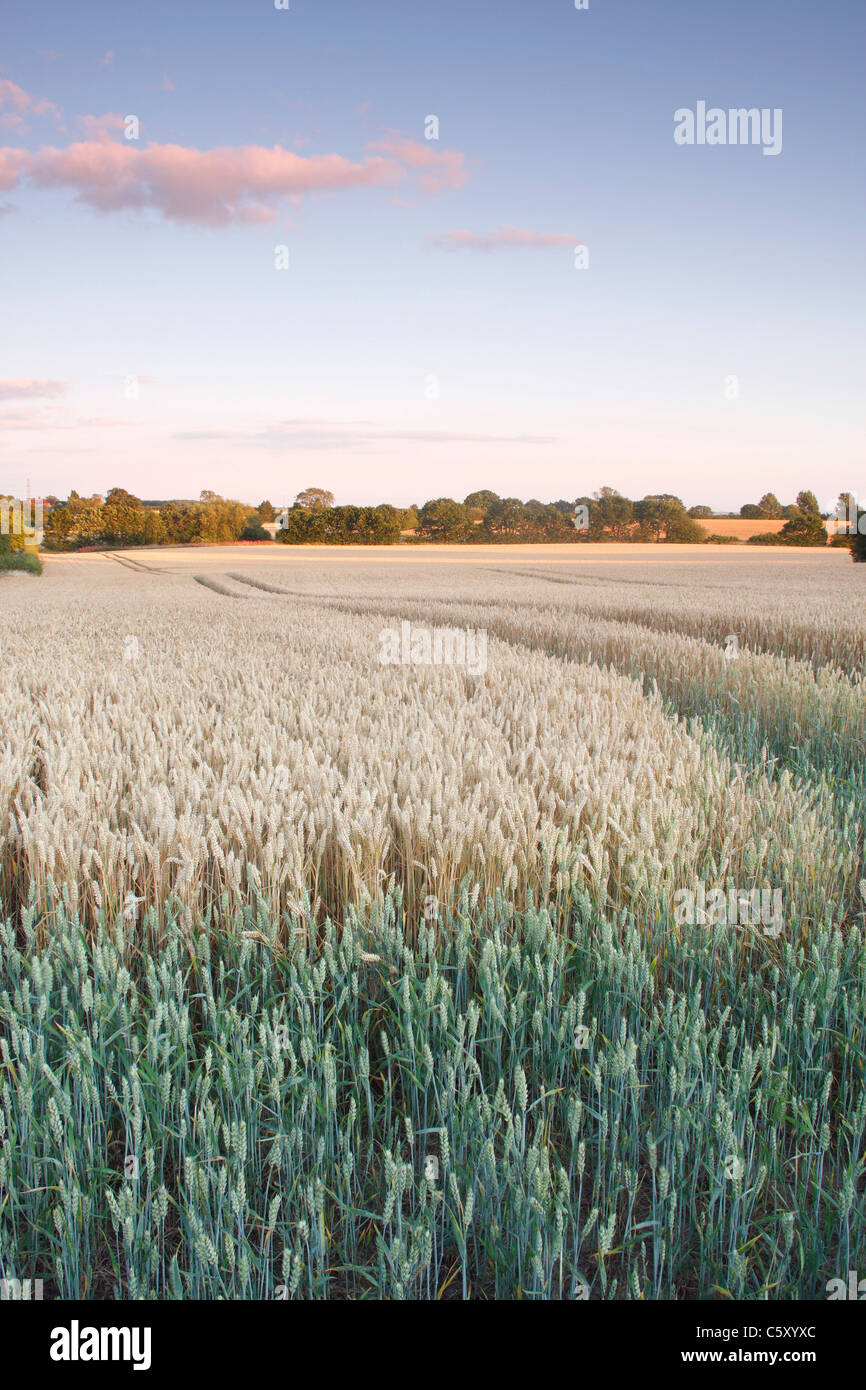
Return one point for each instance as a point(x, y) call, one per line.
point(135, 565)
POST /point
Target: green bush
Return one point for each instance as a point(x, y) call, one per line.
point(805, 529)
point(767, 538)
point(19, 560)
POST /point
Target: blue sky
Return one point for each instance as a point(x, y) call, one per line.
point(393, 359)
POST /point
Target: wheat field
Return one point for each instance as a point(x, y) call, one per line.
point(325, 976)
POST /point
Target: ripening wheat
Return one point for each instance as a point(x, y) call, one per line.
point(355, 978)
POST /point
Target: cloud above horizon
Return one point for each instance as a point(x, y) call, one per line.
point(501, 237)
point(219, 187)
point(351, 434)
point(28, 388)
point(22, 103)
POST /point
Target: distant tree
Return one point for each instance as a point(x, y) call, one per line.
point(221, 520)
point(154, 532)
point(611, 516)
point(210, 523)
point(304, 526)
point(682, 529)
point(315, 498)
point(770, 506)
point(790, 510)
point(752, 511)
point(179, 520)
point(657, 513)
point(409, 519)
point(207, 496)
point(808, 503)
point(505, 518)
point(76, 522)
point(266, 511)
point(481, 500)
point(123, 518)
point(119, 497)
point(700, 511)
point(443, 519)
point(806, 529)
point(380, 525)
point(254, 530)
point(546, 522)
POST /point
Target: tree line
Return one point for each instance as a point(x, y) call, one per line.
point(121, 519)
point(485, 517)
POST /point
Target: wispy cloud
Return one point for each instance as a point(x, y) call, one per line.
point(217, 187)
point(16, 104)
point(28, 388)
point(351, 434)
point(100, 127)
point(437, 169)
point(48, 418)
point(505, 236)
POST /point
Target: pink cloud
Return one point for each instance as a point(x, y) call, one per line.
point(53, 419)
point(13, 95)
point(21, 388)
point(108, 60)
point(442, 168)
point(316, 433)
point(101, 126)
point(217, 187)
point(12, 164)
point(502, 236)
point(167, 84)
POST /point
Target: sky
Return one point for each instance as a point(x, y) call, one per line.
point(283, 282)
